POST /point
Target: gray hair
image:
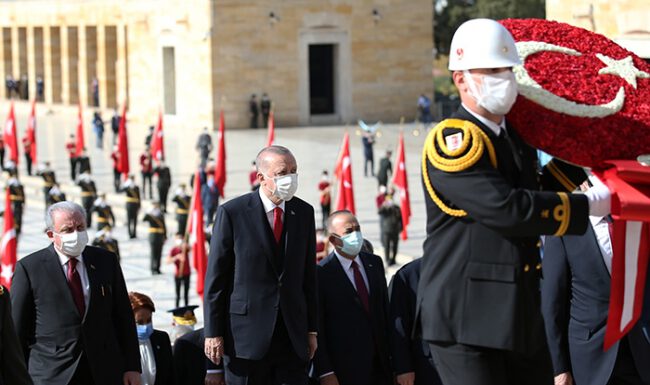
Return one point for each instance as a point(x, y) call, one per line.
point(260, 159)
point(66, 206)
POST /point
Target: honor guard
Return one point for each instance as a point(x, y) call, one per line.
point(182, 201)
point(49, 179)
point(104, 212)
point(88, 195)
point(479, 293)
point(71, 148)
point(104, 239)
point(157, 235)
point(27, 150)
point(17, 197)
point(55, 195)
point(132, 192)
point(163, 183)
point(183, 321)
point(83, 163)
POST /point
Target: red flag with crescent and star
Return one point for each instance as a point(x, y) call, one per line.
point(400, 180)
point(220, 168)
point(8, 244)
point(271, 130)
point(584, 99)
point(197, 236)
point(79, 147)
point(30, 132)
point(123, 146)
point(343, 174)
point(10, 136)
point(158, 140)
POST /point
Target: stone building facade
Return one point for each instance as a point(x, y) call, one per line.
point(321, 62)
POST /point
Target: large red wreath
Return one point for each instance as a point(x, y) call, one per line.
point(586, 141)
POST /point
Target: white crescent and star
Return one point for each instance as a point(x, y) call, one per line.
point(7, 271)
point(532, 90)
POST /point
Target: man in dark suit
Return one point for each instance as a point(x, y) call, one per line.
point(385, 169)
point(575, 303)
point(191, 367)
point(260, 288)
point(353, 302)
point(71, 309)
point(163, 183)
point(411, 357)
point(12, 360)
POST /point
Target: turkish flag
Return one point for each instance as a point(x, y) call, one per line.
point(8, 244)
point(271, 135)
point(158, 142)
point(400, 181)
point(343, 172)
point(197, 236)
point(10, 135)
point(79, 147)
point(30, 133)
point(123, 146)
point(220, 169)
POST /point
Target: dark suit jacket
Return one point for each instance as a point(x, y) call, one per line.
point(190, 362)
point(12, 361)
point(52, 332)
point(575, 303)
point(162, 353)
point(244, 286)
point(479, 281)
point(408, 354)
point(351, 342)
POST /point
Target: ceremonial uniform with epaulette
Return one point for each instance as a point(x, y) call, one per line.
point(163, 183)
point(182, 201)
point(157, 236)
point(104, 240)
point(55, 195)
point(132, 192)
point(17, 197)
point(13, 370)
point(105, 215)
point(88, 196)
point(49, 179)
point(479, 294)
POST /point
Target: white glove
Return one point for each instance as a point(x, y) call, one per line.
point(600, 199)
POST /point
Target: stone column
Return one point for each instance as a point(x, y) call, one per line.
point(65, 65)
point(47, 64)
point(15, 53)
point(122, 75)
point(31, 63)
point(101, 66)
point(84, 81)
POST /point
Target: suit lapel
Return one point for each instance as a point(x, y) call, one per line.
point(343, 277)
point(91, 271)
point(260, 222)
point(54, 270)
point(291, 230)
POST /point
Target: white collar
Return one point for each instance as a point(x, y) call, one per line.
point(595, 220)
point(63, 259)
point(266, 202)
point(346, 262)
point(496, 128)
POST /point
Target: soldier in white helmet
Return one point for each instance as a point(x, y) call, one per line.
point(478, 295)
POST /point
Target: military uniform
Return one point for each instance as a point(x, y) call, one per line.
point(88, 197)
point(55, 196)
point(105, 215)
point(157, 236)
point(13, 370)
point(132, 207)
point(163, 184)
point(49, 179)
point(480, 272)
point(83, 164)
point(110, 244)
point(182, 210)
point(17, 197)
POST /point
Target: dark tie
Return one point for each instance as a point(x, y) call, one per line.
point(277, 224)
point(74, 282)
point(513, 147)
point(362, 290)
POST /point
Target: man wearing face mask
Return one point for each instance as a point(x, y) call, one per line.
point(260, 287)
point(478, 294)
point(353, 302)
point(71, 309)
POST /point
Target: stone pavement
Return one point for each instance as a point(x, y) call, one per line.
point(315, 148)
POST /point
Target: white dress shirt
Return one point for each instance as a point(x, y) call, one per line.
point(601, 229)
point(269, 207)
point(349, 271)
point(148, 362)
point(496, 128)
point(81, 269)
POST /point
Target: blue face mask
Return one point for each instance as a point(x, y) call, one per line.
point(144, 331)
point(352, 243)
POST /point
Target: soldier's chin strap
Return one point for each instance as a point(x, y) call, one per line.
point(465, 156)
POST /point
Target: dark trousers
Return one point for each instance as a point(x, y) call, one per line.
point(146, 179)
point(2, 158)
point(18, 216)
point(132, 219)
point(209, 212)
point(325, 208)
point(156, 241)
point(369, 161)
point(185, 283)
point(254, 120)
point(28, 162)
point(82, 375)
point(625, 372)
point(46, 196)
point(73, 169)
point(265, 119)
point(473, 365)
point(87, 203)
point(181, 220)
point(163, 190)
point(116, 179)
point(280, 366)
point(390, 241)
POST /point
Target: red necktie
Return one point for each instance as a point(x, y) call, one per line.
point(362, 290)
point(277, 224)
point(74, 282)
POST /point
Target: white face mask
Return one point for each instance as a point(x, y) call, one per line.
point(497, 93)
point(285, 186)
point(73, 243)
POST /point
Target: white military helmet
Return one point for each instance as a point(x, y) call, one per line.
point(482, 43)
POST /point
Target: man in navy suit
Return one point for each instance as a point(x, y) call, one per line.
point(575, 303)
point(353, 302)
point(260, 288)
point(71, 309)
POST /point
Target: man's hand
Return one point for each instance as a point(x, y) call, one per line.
point(214, 349)
point(313, 345)
point(564, 379)
point(406, 378)
point(131, 378)
point(330, 379)
point(215, 379)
